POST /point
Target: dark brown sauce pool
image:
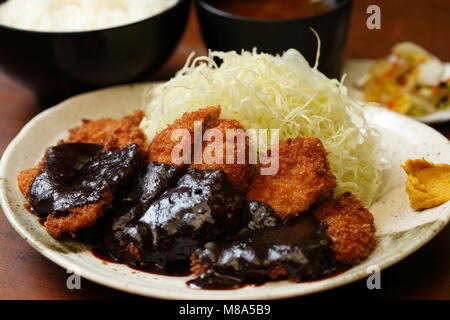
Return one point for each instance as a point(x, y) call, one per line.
point(28, 207)
point(299, 247)
point(210, 282)
point(174, 270)
point(275, 9)
point(202, 284)
point(301, 233)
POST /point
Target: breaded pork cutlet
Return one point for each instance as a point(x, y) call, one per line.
point(237, 173)
point(59, 224)
point(111, 133)
point(77, 183)
point(298, 250)
point(350, 226)
point(160, 149)
point(303, 176)
point(26, 177)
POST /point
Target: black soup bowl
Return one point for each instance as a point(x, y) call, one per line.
point(57, 65)
point(224, 31)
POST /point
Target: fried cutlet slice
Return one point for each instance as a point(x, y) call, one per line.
point(303, 176)
point(111, 133)
point(237, 173)
point(298, 249)
point(26, 177)
point(160, 149)
point(60, 223)
point(74, 184)
point(350, 226)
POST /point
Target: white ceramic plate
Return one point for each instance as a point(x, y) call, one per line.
point(400, 230)
point(356, 69)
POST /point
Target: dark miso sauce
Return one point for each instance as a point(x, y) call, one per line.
point(298, 249)
point(178, 269)
point(78, 174)
point(275, 9)
point(101, 254)
point(211, 281)
point(28, 207)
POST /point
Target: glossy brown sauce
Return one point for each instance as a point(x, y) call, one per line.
point(275, 9)
point(28, 207)
point(179, 269)
point(169, 217)
point(262, 236)
point(212, 282)
point(101, 254)
point(77, 174)
point(301, 247)
point(208, 281)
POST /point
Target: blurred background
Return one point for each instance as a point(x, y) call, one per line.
point(426, 23)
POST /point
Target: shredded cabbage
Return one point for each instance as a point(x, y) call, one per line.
point(277, 92)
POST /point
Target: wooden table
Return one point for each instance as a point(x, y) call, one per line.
point(25, 274)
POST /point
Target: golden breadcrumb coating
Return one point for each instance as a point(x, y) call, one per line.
point(198, 266)
point(303, 176)
point(350, 226)
point(238, 174)
point(112, 134)
point(26, 177)
point(160, 149)
point(59, 224)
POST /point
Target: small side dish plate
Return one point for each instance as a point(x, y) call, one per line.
point(355, 69)
point(400, 230)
